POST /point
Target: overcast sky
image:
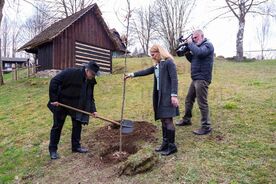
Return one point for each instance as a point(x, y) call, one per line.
point(221, 32)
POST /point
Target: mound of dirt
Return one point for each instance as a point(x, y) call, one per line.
point(103, 162)
point(108, 140)
point(142, 131)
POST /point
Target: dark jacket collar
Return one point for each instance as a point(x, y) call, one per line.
point(204, 40)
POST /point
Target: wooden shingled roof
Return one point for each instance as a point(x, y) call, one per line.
point(55, 29)
point(117, 38)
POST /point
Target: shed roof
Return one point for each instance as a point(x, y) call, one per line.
point(117, 38)
point(58, 27)
point(12, 60)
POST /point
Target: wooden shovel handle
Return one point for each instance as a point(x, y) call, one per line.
point(88, 113)
point(109, 120)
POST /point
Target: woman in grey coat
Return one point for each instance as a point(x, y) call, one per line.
point(165, 102)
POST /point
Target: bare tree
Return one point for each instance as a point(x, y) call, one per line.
point(2, 2)
point(65, 8)
point(263, 30)
point(5, 36)
point(240, 8)
point(142, 25)
point(15, 38)
point(172, 17)
point(16, 26)
point(38, 22)
point(123, 16)
point(126, 42)
point(72, 6)
point(11, 29)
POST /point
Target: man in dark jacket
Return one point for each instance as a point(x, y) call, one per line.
point(73, 87)
point(201, 57)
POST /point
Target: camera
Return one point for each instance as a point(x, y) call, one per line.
point(182, 49)
point(183, 46)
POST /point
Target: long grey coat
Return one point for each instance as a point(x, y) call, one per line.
point(168, 84)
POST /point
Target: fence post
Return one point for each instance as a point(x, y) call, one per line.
point(16, 71)
point(28, 69)
point(33, 69)
point(2, 68)
point(13, 72)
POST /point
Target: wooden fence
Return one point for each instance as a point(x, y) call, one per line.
point(23, 72)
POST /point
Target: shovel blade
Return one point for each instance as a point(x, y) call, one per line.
point(127, 126)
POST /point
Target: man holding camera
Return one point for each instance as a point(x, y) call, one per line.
point(200, 53)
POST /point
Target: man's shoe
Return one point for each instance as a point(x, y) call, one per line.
point(54, 155)
point(184, 122)
point(80, 150)
point(203, 131)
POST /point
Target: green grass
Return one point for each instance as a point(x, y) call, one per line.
point(241, 148)
point(21, 74)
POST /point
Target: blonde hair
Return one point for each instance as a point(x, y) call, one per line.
point(164, 54)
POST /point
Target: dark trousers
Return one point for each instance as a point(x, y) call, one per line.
point(59, 119)
point(198, 90)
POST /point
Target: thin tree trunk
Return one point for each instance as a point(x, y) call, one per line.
point(1, 72)
point(124, 81)
point(13, 46)
point(2, 2)
point(239, 42)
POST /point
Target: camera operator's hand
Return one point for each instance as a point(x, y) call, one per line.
point(185, 43)
point(190, 40)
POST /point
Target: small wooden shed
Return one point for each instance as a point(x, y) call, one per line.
point(74, 41)
point(8, 62)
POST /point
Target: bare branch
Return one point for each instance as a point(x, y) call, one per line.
point(172, 17)
point(248, 7)
point(240, 8)
point(231, 8)
point(263, 14)
point(142, 25)
point(216, 17)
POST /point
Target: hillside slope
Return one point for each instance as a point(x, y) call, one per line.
point(241, 148)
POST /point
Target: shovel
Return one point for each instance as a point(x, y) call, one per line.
point(127, 125)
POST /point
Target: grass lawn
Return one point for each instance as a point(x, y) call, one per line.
point(241, 148)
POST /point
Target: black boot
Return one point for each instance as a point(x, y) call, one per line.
point(171, 146)
point(164, 144)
